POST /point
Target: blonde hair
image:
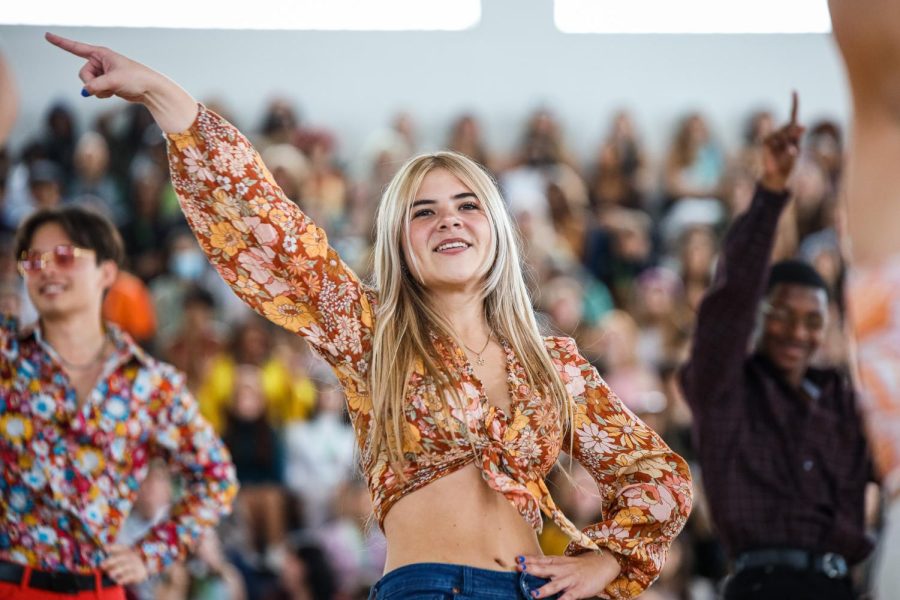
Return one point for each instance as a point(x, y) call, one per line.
point(405, 319)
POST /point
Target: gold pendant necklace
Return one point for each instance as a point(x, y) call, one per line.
point(478, 359)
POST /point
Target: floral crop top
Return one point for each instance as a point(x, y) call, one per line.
point(279, 262)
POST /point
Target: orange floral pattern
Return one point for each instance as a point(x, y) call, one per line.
point(875, 305)
point(290, 274)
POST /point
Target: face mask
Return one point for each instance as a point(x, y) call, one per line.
point(188, 264)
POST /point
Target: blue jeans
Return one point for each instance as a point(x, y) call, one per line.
point(442, 581)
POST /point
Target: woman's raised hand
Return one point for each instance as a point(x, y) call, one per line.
point(107, 73)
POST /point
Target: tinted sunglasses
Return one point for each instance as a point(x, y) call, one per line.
point(63, 256)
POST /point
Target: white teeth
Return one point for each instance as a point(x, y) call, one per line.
point(450, 246)
point(52, 288)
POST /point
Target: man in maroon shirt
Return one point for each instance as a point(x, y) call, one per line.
point(780, 444)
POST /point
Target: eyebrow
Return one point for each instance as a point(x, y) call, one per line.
point(459, 196)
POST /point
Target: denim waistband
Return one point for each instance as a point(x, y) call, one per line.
point(428, 580)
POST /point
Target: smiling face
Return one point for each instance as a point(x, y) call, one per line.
point(65, 291)
point(449, 241)
point(794, 322)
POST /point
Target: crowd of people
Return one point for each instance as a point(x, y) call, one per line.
point(620, 246)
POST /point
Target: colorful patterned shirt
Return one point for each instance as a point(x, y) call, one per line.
point(70, 476)
point(279, 262)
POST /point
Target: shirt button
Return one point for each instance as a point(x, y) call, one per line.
point(808, 465)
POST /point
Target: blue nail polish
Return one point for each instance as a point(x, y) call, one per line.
point(520, 559)
point(535, 593)
point(85, 93)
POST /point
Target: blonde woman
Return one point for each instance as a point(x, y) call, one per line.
point(460, 407)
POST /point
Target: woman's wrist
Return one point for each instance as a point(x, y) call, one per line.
point(173, 109)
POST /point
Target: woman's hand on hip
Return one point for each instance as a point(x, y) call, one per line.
point(573, 577)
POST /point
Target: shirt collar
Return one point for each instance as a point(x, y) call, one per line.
point(125, 348)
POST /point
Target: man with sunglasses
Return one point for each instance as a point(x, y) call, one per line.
point(83, 412)
point(781, 447)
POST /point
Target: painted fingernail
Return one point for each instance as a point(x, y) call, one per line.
point(535, 593)
point(85, 92)
point(520, 559)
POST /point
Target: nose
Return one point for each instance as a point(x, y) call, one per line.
point(798, 331)
point(450, 220)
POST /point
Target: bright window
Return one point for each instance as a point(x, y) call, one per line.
point(692, 16)
point(356, 15)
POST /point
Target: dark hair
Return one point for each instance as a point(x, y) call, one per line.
point(320, 579)
point(795, 272)
point(85, 227)
point(200, 296)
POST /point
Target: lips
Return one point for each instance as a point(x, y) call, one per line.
point(452, 246)
point(51, 288)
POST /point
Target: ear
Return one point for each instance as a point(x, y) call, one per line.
point(108, 273)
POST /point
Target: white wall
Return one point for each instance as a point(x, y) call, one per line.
point(512, 62)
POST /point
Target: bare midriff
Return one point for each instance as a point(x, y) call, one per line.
point(457, 519)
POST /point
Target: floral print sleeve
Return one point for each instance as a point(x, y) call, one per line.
point(270, 253)
point(188, 443)
point(646, 488)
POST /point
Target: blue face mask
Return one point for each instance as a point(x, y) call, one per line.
point(188, 264)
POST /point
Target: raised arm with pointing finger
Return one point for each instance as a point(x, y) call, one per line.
point(783, 451)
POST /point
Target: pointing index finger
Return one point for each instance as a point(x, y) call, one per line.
point(794, 107)
point(77, 48)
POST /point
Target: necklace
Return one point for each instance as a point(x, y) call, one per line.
point(478, 360)
point(80, 367)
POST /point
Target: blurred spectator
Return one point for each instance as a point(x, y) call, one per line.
point(198, 339)
point(256, 450)
point(291, 172)
point(759, 125)
point(635, 383)
point(187, 269)
point(280, 124)
point(59, 140)
point(319, 453)
point(207, 575)
point(618, 177)
point(694, 166)
point(356, 549)
point(289, 394)
point(306, 575)
point(326, 187)
point(92, 183)
point(696, 259)
point(45, 182)
point(125, 130)
point(466, 138)
point(825, 144)
point(542, 161)
point(129, 305)
point(661, 315)
point(146, 230)
point(618, 248)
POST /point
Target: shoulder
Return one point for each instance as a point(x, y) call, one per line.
point(563, 349)
point(568, 359)
point(559, 343)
